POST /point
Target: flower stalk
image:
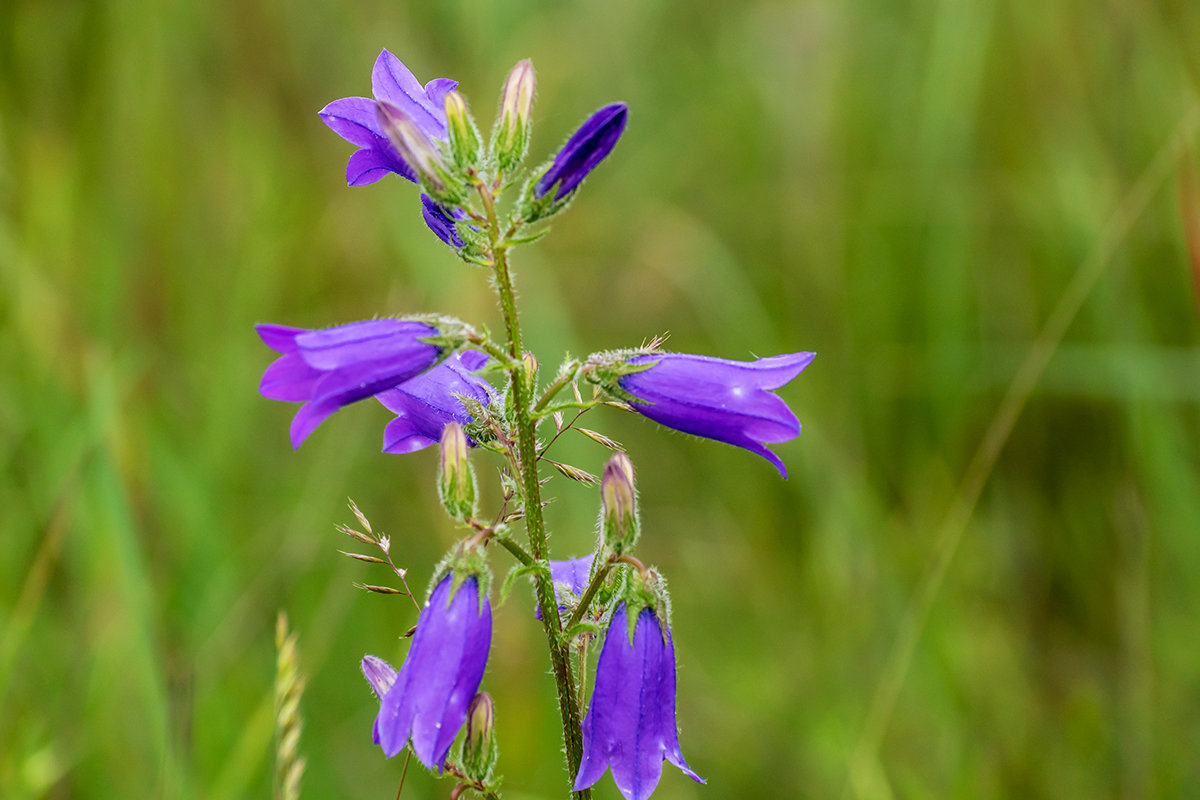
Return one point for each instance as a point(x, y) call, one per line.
point(527, 457)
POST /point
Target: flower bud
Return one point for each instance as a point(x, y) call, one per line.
point(619, 523)
point(379, 674)
point(456, 479)
point(415, 148)
point(510, 138)
point(529, 364)
point(582, 153)
point(479, 745)
point(464, 136)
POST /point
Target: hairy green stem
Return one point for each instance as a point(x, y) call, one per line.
point(568, 704)
point(556, 387)
point(517, 551)
point(585, 601)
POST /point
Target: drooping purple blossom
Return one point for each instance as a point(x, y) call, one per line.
point(441, 221)
point(586, 148)
point(356, 119)
point(574, 573)
point(717, 398)
point(332, 367)
point(427, 701)
point(425, 404)
point(630, 724)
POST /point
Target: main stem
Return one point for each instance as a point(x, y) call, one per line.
point(568, 705)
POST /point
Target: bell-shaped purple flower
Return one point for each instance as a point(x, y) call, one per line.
point(425, 404)
point(574, 573)
point(332, 367)
point(730, 401)
point(356, 119)
point(427, 701)
point(586, 148)
point(630, 724)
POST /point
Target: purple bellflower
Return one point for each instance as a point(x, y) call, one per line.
point(426, 702)
point(332, 367)
point(586, 148)
point(574, 573)
point(630, 724)
point(730, 401)
point(356, 119)
point(425, 404)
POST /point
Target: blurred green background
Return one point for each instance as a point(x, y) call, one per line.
point(907, 188)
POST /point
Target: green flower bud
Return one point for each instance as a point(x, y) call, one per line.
point(479, 748)
point(529, 364)
point(510, 137)
point(464, 136)
point(619, 523)
point(456, 478)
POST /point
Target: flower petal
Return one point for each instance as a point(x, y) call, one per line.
point(394, 83)
point(289, 379)
point(425, 404)
point(362, 342)
point(280, 338)
point(367, 166)
point(308, 418)
point(639, 772)
point(574, 572)
point(353, 119)
point(437, 89)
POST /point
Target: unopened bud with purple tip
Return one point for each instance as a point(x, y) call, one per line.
point(379, 674)
point(619, 525)
point(479, 748)
point(510, 137)
point(417, 150)
point(586, 148)
point(456, 479)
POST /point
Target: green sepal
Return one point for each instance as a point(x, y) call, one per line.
point(605, 369)
point(536, 568)
point(527, 239)
point(462, 561)
point(580, 628)
point(453, 334)
point(645, 590)
point(532, 208)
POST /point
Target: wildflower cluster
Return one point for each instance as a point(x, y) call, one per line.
point(450, 384)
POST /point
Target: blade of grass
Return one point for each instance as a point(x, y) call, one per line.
point(862, 771)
